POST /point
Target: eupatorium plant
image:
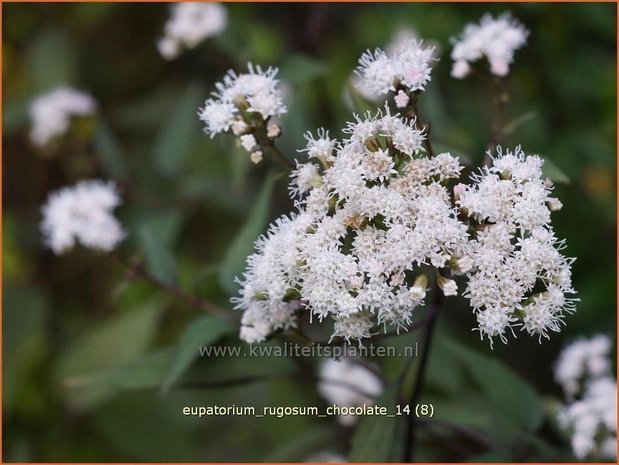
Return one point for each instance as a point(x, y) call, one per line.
point(378, 215)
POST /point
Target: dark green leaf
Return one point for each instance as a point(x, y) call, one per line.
point(203, 331)
point(178, 132)
point(243, 244)
point(555, 173)
point(159, 259)
point(376, 438)
point(298, 69)
point(506, 391)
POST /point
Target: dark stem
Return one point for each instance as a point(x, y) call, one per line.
point(281, 156)
point(500, 99)
point(411, 426)
point(419, 124)
point(137, 271)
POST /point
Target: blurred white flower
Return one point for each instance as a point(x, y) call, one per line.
point(82, 213)
point(581, 360)
point(496, 39)
point(51, 113)
point(348, 384)
point(590, 415)
point(189, 24)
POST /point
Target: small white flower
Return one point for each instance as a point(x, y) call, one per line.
point(51, 113)
point(401, 99)
point(274, 131)
point(320, 147)
point(408, 65)
point(348, 384)
point(239, 127)
point(448, 286)
point(248, 142)
point(496, 39)
point(219, 117)
point(189, 24)
point(82, 213)
point(256, 157)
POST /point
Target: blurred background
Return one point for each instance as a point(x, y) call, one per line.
point(86, 347)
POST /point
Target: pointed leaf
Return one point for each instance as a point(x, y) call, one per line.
point(243, 245)
point(159, 260)
point(203, 331)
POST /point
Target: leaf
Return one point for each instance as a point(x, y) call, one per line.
point(159, 260)
point(178, 133)
point(556, 174)
point(243, 245)
point(505, 391)
point(376, 438)
point(516, 123)
point(52, 60)
point(298, 69)
point(203, 331)
point(109, 152)
point(109, 344)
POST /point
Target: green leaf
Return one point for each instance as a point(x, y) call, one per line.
point(298, 69)
point(516, 123)
point(119, 340)
point(52, 60)
point(377, 438)
point(243, 244)
point(555, 173)
point(203, 331)
point(505, 391)
point(178, 133)
point(109, 152)
point(159, 259)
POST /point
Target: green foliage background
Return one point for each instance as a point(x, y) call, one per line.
point(91, 358)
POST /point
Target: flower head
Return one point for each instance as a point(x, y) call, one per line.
point(82, 213)
point(51, 113)
point(189, 24)
point(494, 38)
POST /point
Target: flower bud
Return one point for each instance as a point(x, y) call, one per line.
point(448, 286)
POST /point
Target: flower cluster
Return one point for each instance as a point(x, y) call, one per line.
point(519, 277)
point(494, 38)
point(583, 359)
point(51, 113)
point(243, 105)
point(583, 369)
point(367, 227)
point(405, 69)
point(348, 384)
point(189, 24)
point(82, 213)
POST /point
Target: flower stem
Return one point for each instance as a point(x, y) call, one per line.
point(137, 271)
point(281, 156)
point(411, 426)
point(500, 99)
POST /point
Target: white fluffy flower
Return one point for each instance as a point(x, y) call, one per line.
point(581, 360)
point(407, 65)
point(51, 113)
point(238, 95)
point(348, 384)
point(320, 147)
point(83, 214)
point(189, 24)
point(515, 249)
point(367, 229)
point(589, 417)
point(496, 39)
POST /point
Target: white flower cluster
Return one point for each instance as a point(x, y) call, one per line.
point(404, 69)
point(519, 277)
point(82, 213)
point(583, 369)
point(366, 228)
point(583, 359)
point(496, 39)
point(189, 24)
point(51, 113)
point(348, 384)
point(243, 104)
